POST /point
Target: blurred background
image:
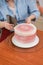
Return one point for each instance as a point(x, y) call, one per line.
point(39, 22)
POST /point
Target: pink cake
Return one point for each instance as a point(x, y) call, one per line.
point(25, 33)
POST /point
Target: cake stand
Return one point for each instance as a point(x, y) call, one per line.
point(25, 45)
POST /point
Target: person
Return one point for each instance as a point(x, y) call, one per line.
point(22, 10)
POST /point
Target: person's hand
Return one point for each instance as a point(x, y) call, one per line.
point(8, 26)
point(28, 20)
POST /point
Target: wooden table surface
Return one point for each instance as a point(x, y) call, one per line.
point(12, 55)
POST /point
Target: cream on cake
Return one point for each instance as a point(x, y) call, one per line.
point(25, 33)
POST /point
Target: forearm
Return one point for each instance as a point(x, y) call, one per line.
point(32, 17)
point(36, 14)
point(2, 24)
point(6, 25)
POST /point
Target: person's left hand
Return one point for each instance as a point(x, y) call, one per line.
point(28, 20)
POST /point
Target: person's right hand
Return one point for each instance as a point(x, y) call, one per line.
point(9, 26)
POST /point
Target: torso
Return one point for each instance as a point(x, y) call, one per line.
point(21, 10)
point(12, 6)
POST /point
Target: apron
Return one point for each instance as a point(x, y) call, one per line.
point(4, 34)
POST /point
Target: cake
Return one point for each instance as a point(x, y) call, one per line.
point(25, 33)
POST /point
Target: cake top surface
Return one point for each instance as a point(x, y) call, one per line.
point(25, 29)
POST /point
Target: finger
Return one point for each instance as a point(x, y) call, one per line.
point(27, 21)
point(10, 27)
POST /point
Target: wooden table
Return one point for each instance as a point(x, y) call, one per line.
point(12, 55)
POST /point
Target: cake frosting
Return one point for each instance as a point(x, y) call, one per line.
point(25, 33)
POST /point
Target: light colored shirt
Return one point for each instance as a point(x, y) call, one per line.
point(24, 8)
point(13, 10)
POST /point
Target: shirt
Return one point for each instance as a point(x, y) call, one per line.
point(24, 8)
point(13, 9)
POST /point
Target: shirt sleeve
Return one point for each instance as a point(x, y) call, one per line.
point(33, 8)
point(1, 9)
point(1, 17)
